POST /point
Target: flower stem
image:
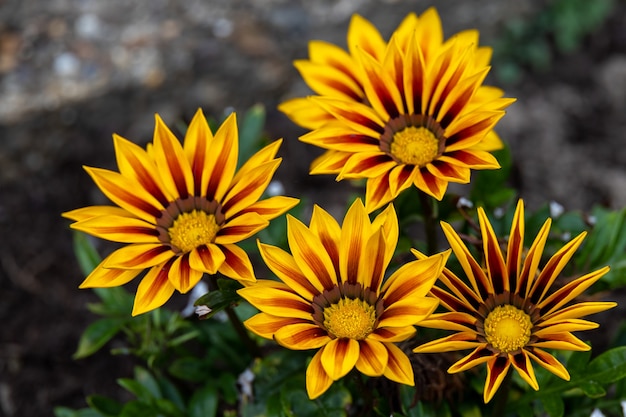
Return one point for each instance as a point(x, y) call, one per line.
point(235, 321)
point(243, 334)
point(430, 222)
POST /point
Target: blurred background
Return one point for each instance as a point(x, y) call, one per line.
point(73, 72)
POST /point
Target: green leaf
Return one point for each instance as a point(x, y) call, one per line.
point(171, 392)
point(204, 402)
point(251, 132)
point(189, 368)
point(168, 408)
point(146, 379)
point(218, 300)
point(136, 388)
point(138, 409)
point(554, 405)
point(68, 412)
point(104, 405)
point(96, 335)
point(592, 389)
point(87, 256)
point(608, 367)
point(116, 301)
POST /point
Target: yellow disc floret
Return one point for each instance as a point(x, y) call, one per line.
point(350, 319)
point(507, 328)
point(414, 146)
point(193, 229)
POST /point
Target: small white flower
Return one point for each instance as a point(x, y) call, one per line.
point(596, 413)
point(245, 380)
point(198, 291)
point(275, 188)
point(203, 310)
point(556, 209)
point(464, 202)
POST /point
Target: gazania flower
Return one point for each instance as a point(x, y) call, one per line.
point(182, 209)
point(412, 111)
point(510, 313)
point(332, 296)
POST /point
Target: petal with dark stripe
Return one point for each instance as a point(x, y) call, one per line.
point(272, 207)
point(265, 325)
point(329, 232)
point(496, 268)
point(249, 189)
point(373, 356)
point(407, 312)
point(182, 276)
point(89, 212)
point(133, 162)
point(237, 264)
point(497, 369)
point(286, 269)
point(553, 268)
point(458, 341)
point(414, 279)
point(207, 258)
point(171, 162)
point(139, 256)
point(125, 193)
point(102, 277)
point(521, 363)
point(310, 255)
point(392, 334)
point(153, 290)
point(240, 228)
point(326, 80)
point(317, 380)
point(277, 299)
point(196, 147)
point(549, 362)
point(339, 357)
point(399, 367)
point(119, 229)
point(222, 160)
point(354, 235)
point(301, 336)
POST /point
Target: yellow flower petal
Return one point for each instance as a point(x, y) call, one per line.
point(302, 336)
point(399, 367)
point(317, 380)
point(373, 357)
point(339, 357)
point(276, 298)
point(153, 290)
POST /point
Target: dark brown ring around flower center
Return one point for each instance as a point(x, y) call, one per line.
point(345, 290)
point(403, 121)
point(506, 298)
point(186, 205)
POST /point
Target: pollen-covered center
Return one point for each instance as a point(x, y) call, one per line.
point(193, 229)
point(414, 146)
point(507, 328)
point(350, 318)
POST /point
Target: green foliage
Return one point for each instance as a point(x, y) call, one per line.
point(559, 28)
point(209, 366)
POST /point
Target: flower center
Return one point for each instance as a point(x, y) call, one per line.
point(192, 229)
point(350, 319)
point(414, 146)
point(507, 328)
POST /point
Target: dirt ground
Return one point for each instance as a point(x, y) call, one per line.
point(73, 72)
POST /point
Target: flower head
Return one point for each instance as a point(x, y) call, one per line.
point(332, 296)
point(180, 210)
point(411, 111)
point(510, 313)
